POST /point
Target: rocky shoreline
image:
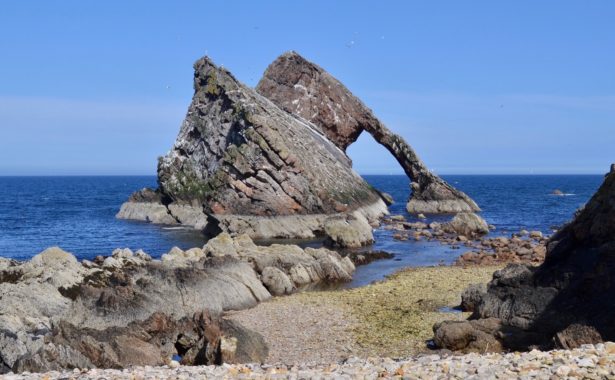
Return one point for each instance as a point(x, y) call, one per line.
point(270, 163)
point(588, 362)
point(128, 308)
point(466, 232)
point(94, 294)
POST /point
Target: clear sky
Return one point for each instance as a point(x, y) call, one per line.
point(474, 86)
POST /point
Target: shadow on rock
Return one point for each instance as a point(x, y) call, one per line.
point(566, 302)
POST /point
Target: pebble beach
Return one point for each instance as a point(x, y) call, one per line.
point(587, 362)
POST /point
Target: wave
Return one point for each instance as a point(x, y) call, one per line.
point(563, 195)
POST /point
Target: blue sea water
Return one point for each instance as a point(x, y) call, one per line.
point(78, 214)
point(509, 202)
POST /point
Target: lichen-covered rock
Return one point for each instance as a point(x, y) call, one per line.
point(566, 301)
point(351, 232)
point(237, 154)
point(305, 89)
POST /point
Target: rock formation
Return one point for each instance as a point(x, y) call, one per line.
point(241, 164)
point(467, 224)
point(565, 302)
point(306, 90)
point(128, 309)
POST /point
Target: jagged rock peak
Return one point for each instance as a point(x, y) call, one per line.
point(237, 153)
point(211, 77)
point(238, 156)
point(305, 89)
point(298, 85)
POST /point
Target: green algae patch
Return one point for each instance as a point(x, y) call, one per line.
point(395, 317)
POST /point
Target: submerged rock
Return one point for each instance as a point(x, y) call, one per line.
point(240, 164)
point(567, 301)
point(306, 90)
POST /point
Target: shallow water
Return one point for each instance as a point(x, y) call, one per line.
point(510, 203)
point(78, 214)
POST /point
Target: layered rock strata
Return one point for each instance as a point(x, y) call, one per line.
point(127, 309)
point(565, 302)
point(304, 89)
point(240, 164)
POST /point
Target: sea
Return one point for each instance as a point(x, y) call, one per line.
point(78, 215)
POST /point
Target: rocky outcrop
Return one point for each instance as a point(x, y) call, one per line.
point(102, 304)
point(567, 300)
point(195, 341)
point(283, 268)
point(467, 224)
point(502, 250)
point(239, 162)
point(306, 90)
point(128, 309)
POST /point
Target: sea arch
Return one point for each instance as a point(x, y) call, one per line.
point(305, 90)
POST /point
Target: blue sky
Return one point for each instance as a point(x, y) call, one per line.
point(475, 87)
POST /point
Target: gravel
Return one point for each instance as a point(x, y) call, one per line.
point(302, 329)
point(588, 362)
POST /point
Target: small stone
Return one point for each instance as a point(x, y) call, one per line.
point(111, 262)
point(142, 255)
point(120, 253)
point(536, 235)
point(585, 362)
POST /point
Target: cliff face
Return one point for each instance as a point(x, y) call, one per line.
point(306, 90)
point(238, 158)
point(237, 153)
point(566, 302)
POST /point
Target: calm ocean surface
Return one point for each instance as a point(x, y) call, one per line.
point(78, 214)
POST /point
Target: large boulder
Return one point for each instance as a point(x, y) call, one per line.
point(351, 232)
point(147, 205)
point(239, 160)
point(467, 224)
point(277, 281)
point(304, 89)
point(565, 302)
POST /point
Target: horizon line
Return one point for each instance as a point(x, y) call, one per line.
point(361, 174)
